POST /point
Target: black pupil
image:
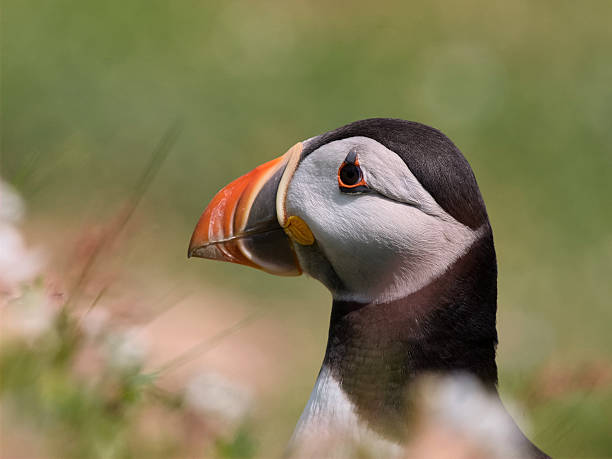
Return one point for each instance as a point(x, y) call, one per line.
point(350, 174)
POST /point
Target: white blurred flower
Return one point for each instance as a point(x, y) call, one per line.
point(11, 204)
point(31, 314)
point(128, 349)
point(18, 264)
point(94, 322)
point(459, 408)
point(213, 395)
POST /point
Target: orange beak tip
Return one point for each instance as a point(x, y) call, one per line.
point(231, 230)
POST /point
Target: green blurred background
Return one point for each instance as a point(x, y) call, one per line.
point(523, 88)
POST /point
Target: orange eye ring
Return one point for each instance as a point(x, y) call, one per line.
point(350, 176)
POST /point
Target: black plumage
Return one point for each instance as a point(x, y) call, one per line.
point(449, 326)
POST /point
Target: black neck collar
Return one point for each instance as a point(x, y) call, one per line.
point(375, 351)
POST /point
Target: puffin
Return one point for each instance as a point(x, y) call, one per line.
point(387, 214)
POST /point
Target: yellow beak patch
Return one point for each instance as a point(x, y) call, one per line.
point(298, 230)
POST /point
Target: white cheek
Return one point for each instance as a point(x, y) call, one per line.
point(381, 249)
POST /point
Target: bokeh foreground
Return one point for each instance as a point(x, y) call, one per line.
point(113, 343)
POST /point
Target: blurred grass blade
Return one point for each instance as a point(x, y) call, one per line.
point(159, 156)
point(160, 153)
point(208, 344)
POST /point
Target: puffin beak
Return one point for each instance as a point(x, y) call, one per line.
point(241, 223)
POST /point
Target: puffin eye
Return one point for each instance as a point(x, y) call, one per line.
point(350, 177)
point(349, 174)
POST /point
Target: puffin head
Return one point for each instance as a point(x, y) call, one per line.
point(388, 215)
point(375, 210)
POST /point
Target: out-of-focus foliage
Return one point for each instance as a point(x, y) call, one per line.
point(73, 382)
point(523, 88)
point(115, 412)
